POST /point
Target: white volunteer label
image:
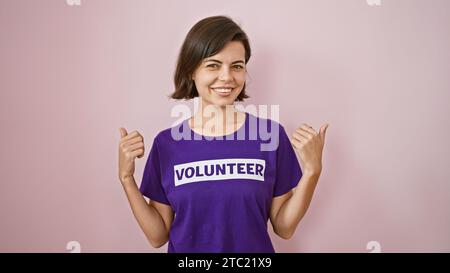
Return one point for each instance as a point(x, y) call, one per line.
point(219, 169)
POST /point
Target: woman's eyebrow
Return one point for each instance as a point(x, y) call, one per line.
point(217, 61)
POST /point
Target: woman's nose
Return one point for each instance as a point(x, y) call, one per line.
point(225, 75)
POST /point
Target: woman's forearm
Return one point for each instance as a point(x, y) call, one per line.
point(293, 209)
point(147, 216)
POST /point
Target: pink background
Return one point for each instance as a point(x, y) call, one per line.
point(72, 75)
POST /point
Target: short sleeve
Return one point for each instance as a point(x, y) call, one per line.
point(151, 185)
point(288, 171)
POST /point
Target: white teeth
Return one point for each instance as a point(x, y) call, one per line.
point(223, 90)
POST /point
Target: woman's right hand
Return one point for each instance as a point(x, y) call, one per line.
point(130, 146)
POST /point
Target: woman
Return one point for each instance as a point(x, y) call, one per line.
point(211, 186)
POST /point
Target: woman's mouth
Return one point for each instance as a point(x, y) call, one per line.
point(223, 92)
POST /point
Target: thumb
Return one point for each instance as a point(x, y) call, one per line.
point(123, 132)
point(323, 131)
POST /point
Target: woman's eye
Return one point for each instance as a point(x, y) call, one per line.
point(215, 66)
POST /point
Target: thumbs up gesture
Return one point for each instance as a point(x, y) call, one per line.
point(309, 146)
point(130, 146)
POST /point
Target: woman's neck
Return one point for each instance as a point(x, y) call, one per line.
point(215, 119)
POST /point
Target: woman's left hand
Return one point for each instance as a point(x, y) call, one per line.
point(309, 145)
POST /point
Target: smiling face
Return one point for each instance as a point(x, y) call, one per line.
point(220, 78)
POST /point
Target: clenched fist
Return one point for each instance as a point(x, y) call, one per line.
point(130, 146)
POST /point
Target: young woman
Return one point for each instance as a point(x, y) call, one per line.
point(211, 185)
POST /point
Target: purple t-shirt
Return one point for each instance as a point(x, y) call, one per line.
point(221, 190)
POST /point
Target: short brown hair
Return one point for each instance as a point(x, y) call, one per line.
point(206, 38)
